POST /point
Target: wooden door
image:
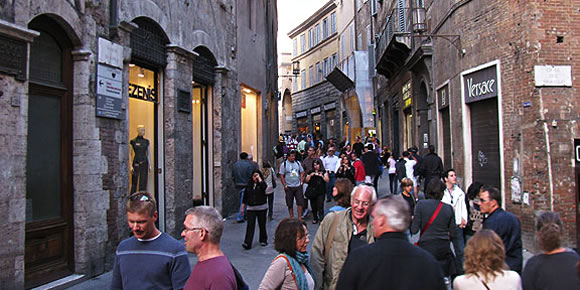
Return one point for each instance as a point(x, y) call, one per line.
point(48, 237)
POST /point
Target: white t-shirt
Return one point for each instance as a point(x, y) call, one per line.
point(330, 162)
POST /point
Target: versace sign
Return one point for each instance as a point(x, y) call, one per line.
point(480, 85)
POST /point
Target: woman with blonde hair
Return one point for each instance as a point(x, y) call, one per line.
point(555, 267)
point(484, 265)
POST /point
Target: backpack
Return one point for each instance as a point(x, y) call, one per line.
point(401, 170)
point(286, 168)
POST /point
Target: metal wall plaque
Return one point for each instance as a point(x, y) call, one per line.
point(109, 92)
point(183, 101)
point(13, 55)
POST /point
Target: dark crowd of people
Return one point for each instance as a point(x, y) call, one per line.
point(466, 239)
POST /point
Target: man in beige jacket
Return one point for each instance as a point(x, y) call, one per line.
point(341, 232)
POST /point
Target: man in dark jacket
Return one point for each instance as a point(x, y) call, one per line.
point(431, 167)
point(504, 224)
point(370, 160)
point(401, 169)
point(398, 261)
point(242, 172)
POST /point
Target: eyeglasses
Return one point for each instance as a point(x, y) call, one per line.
point(304, 237)
point(360, 202)
point(194, 229)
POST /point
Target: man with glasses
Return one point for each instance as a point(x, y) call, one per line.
point(150, 259)
point(202, 231)
point(341, 232)
point(504, 224)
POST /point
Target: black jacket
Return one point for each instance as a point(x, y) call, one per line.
point(391, 262)
point(431, 166)
point(401, 170)
point(370, 160)
point(255, 195)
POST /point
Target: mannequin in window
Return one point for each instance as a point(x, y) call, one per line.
point(140, 166)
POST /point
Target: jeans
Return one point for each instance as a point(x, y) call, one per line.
point(251, 226)
point(240, 217)
point(393, 182)
point(458, 246)
point(330, 185)
point(270, 204)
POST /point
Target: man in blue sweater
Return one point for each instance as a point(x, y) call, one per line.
point(150, 259)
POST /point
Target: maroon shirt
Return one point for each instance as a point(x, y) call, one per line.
point(215, 273)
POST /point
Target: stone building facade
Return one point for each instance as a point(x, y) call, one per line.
point(79, 80)
point(315, 102)
point(492, 85)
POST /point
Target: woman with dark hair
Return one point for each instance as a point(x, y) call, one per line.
point(474, 215)
point(436, 221)
point(484, 265)
point(345, 169)
point(316, 179)
point(291, 268)
point(255, 199)
point(341, 193)
point(555, 267)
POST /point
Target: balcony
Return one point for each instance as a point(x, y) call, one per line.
point(394, 44)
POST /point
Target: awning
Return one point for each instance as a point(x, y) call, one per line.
point(339, 80)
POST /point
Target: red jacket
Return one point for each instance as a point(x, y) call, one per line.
point(359, 171)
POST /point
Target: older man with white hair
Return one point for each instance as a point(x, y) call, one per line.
point(391, 262)
point(340, 233)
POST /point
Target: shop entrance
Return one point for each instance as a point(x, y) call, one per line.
point(485, 142)
point(408, 127)
point(446, 131)
point(48, 249)
point(250, 103)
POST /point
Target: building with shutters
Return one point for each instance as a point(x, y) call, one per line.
point(101, 99)
point(315, 102)
point(491, 85)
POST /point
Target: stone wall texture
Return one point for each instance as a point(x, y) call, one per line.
point(100, 145)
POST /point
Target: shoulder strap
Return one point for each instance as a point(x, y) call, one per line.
point(330, 237)
point(289, 267)
point(432, 218)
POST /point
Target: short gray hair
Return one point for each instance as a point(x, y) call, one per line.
point(396, 209)
point(366, 188)
point(210, 219)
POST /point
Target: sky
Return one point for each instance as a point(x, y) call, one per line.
point(290, 14)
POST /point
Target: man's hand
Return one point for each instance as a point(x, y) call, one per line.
point(463, 223)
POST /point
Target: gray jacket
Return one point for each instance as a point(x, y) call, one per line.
point(242, 172)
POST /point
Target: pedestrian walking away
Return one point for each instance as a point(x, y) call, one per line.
point(242, 172)
point(485, 267)
point(391, 262)
point(270, 179)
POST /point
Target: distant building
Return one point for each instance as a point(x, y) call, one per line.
point(315, 102)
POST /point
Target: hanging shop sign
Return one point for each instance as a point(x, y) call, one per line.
point(443, 97)
point(481, 84)
point(406, 92)
point(109, 92)
point(302, 114)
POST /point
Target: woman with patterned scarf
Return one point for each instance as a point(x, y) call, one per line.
point(291, 268)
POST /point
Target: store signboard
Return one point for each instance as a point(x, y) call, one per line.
point(302, 114)
point(443, 97)
point(481, 84)
point(109, 92)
